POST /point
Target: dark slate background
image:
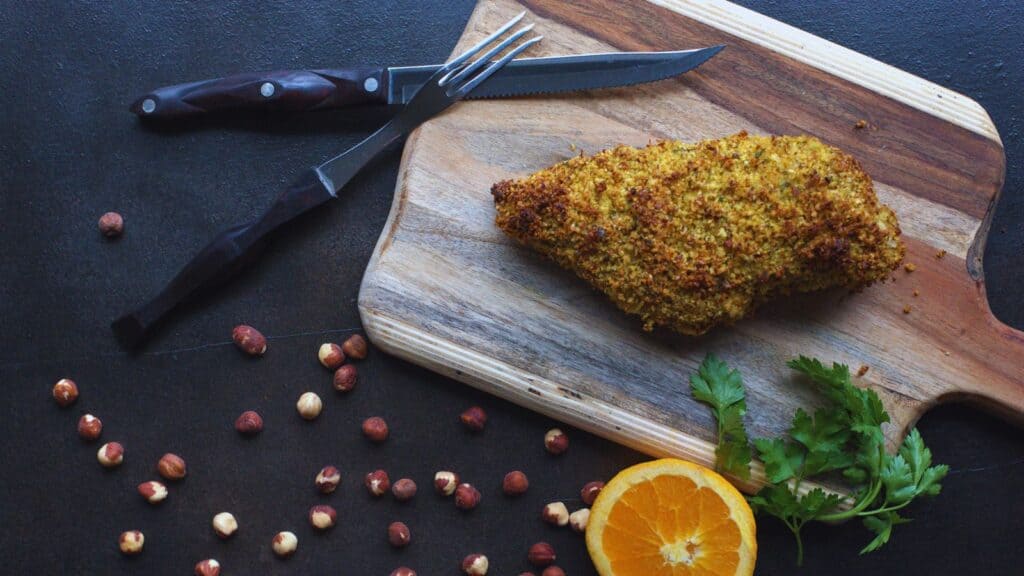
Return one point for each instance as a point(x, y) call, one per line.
point(70, 152)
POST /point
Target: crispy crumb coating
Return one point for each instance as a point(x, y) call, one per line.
point(689, 236)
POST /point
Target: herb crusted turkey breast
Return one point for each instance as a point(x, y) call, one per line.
point(689, 236)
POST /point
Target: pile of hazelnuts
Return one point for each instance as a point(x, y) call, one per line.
point(323, 517)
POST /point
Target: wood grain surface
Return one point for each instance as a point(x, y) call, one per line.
point(446, 289)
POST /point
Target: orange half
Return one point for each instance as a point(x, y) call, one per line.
point(670, 517)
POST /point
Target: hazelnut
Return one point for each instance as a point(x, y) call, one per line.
point(208, 567)
point(375, 429)
point(475, 565)
point(541, 554)
point(89, 427)
point(309, 405)
point(345, 378)
point(355, 347)
point(515, 483)
point(284, 544)
point(249, 340)
point(445, 482)
point(249, 423)
point(111, 224)
point(330, 355)
point(527, 574)
point(111, 455)
point(404, 490)
point(322, 516)
point(377, 482)
point(555, 513)
point(171, 467)
point(553, 571)
point(224, 524)
point(555, 441)
point(131, 542)
point(579, 519)
point(403, 571)
point(474, 418)
point(590, 491)
point(327, 479)
point(466, 497)
point(154, 492)
point(65, 392)
point(398, 534)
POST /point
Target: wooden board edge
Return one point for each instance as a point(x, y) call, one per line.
point(837, 60)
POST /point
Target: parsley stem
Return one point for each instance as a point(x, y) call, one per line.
point(856, 510)
point(883, 509)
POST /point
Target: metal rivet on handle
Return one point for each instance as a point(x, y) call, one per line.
point(267, 89)
point(148, 105)
point(370, 84)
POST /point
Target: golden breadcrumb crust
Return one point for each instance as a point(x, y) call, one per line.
point(690, 236)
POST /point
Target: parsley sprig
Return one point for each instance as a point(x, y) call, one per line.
point(844, 437)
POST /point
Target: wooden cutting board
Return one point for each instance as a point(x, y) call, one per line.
point(446, 289)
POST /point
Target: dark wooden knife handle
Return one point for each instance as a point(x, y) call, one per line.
point(228, 253)
point(286, 90)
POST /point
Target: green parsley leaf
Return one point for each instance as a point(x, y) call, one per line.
point(720, 387)
point(881, 525)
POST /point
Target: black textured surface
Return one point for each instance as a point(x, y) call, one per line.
point(70, 151)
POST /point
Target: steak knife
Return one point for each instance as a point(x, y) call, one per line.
point(302, 90)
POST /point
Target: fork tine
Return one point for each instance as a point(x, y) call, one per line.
point(459, 74)
point(468, 86)
point(482, 44)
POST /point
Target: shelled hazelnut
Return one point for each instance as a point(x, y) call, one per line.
point(110, 454)
point(375, 429)
point(466, 497)
point(404, 489)
point(249, 340)
point(555, 513)
point(445, 482)
point(249, 423)
point(224, 524)
point(474, 418)
point(154, 492)
point(309, 405)
point(284, 544)
point(327, 479)
point(515, 483)
point(377, 482)
point(475, 565)
point(590, 491)
point(171, 467)
point(403, 571)
point(111, 224)
point(330, 355)
point(553, 571)
point(399, 535)
point(345, 378)
point(65, 392)
point(579, 519)
point(555, 441)
point(131, 542)
point(355, 347)
point(541, 554)
point(89, 427)
point(208, 567)
point(322, 516)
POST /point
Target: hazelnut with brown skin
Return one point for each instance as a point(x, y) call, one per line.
point(111, 224)
point(249, 340)
point(355, 347)
point(327, 479)
point(309, 406)
point(590, 491)
point(474, 418)
point(404, 490)
point(331, 355)
point(553, 571)
point(475, 565)
point(249, 423)
point(322, 517)
point(556, 514)
point(375, 429)
point(445, 482)
point(377, 482)
point(89, 427)
point(403, 571)
point(154, 492)
point(131, 542)
point(515, 483)
point(466, 497)
point(110, 455)
point(284, 544)
point(579, 519)
point(171, 467)
point(399, 535)
point(65, 392)
point(541, 554)
point(556, 442)
point(224, 524)
point(208, 567)
point(345, 378)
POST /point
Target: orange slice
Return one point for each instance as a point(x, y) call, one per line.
point(670, 517)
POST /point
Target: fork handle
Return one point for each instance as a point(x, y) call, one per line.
point(285, 90)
